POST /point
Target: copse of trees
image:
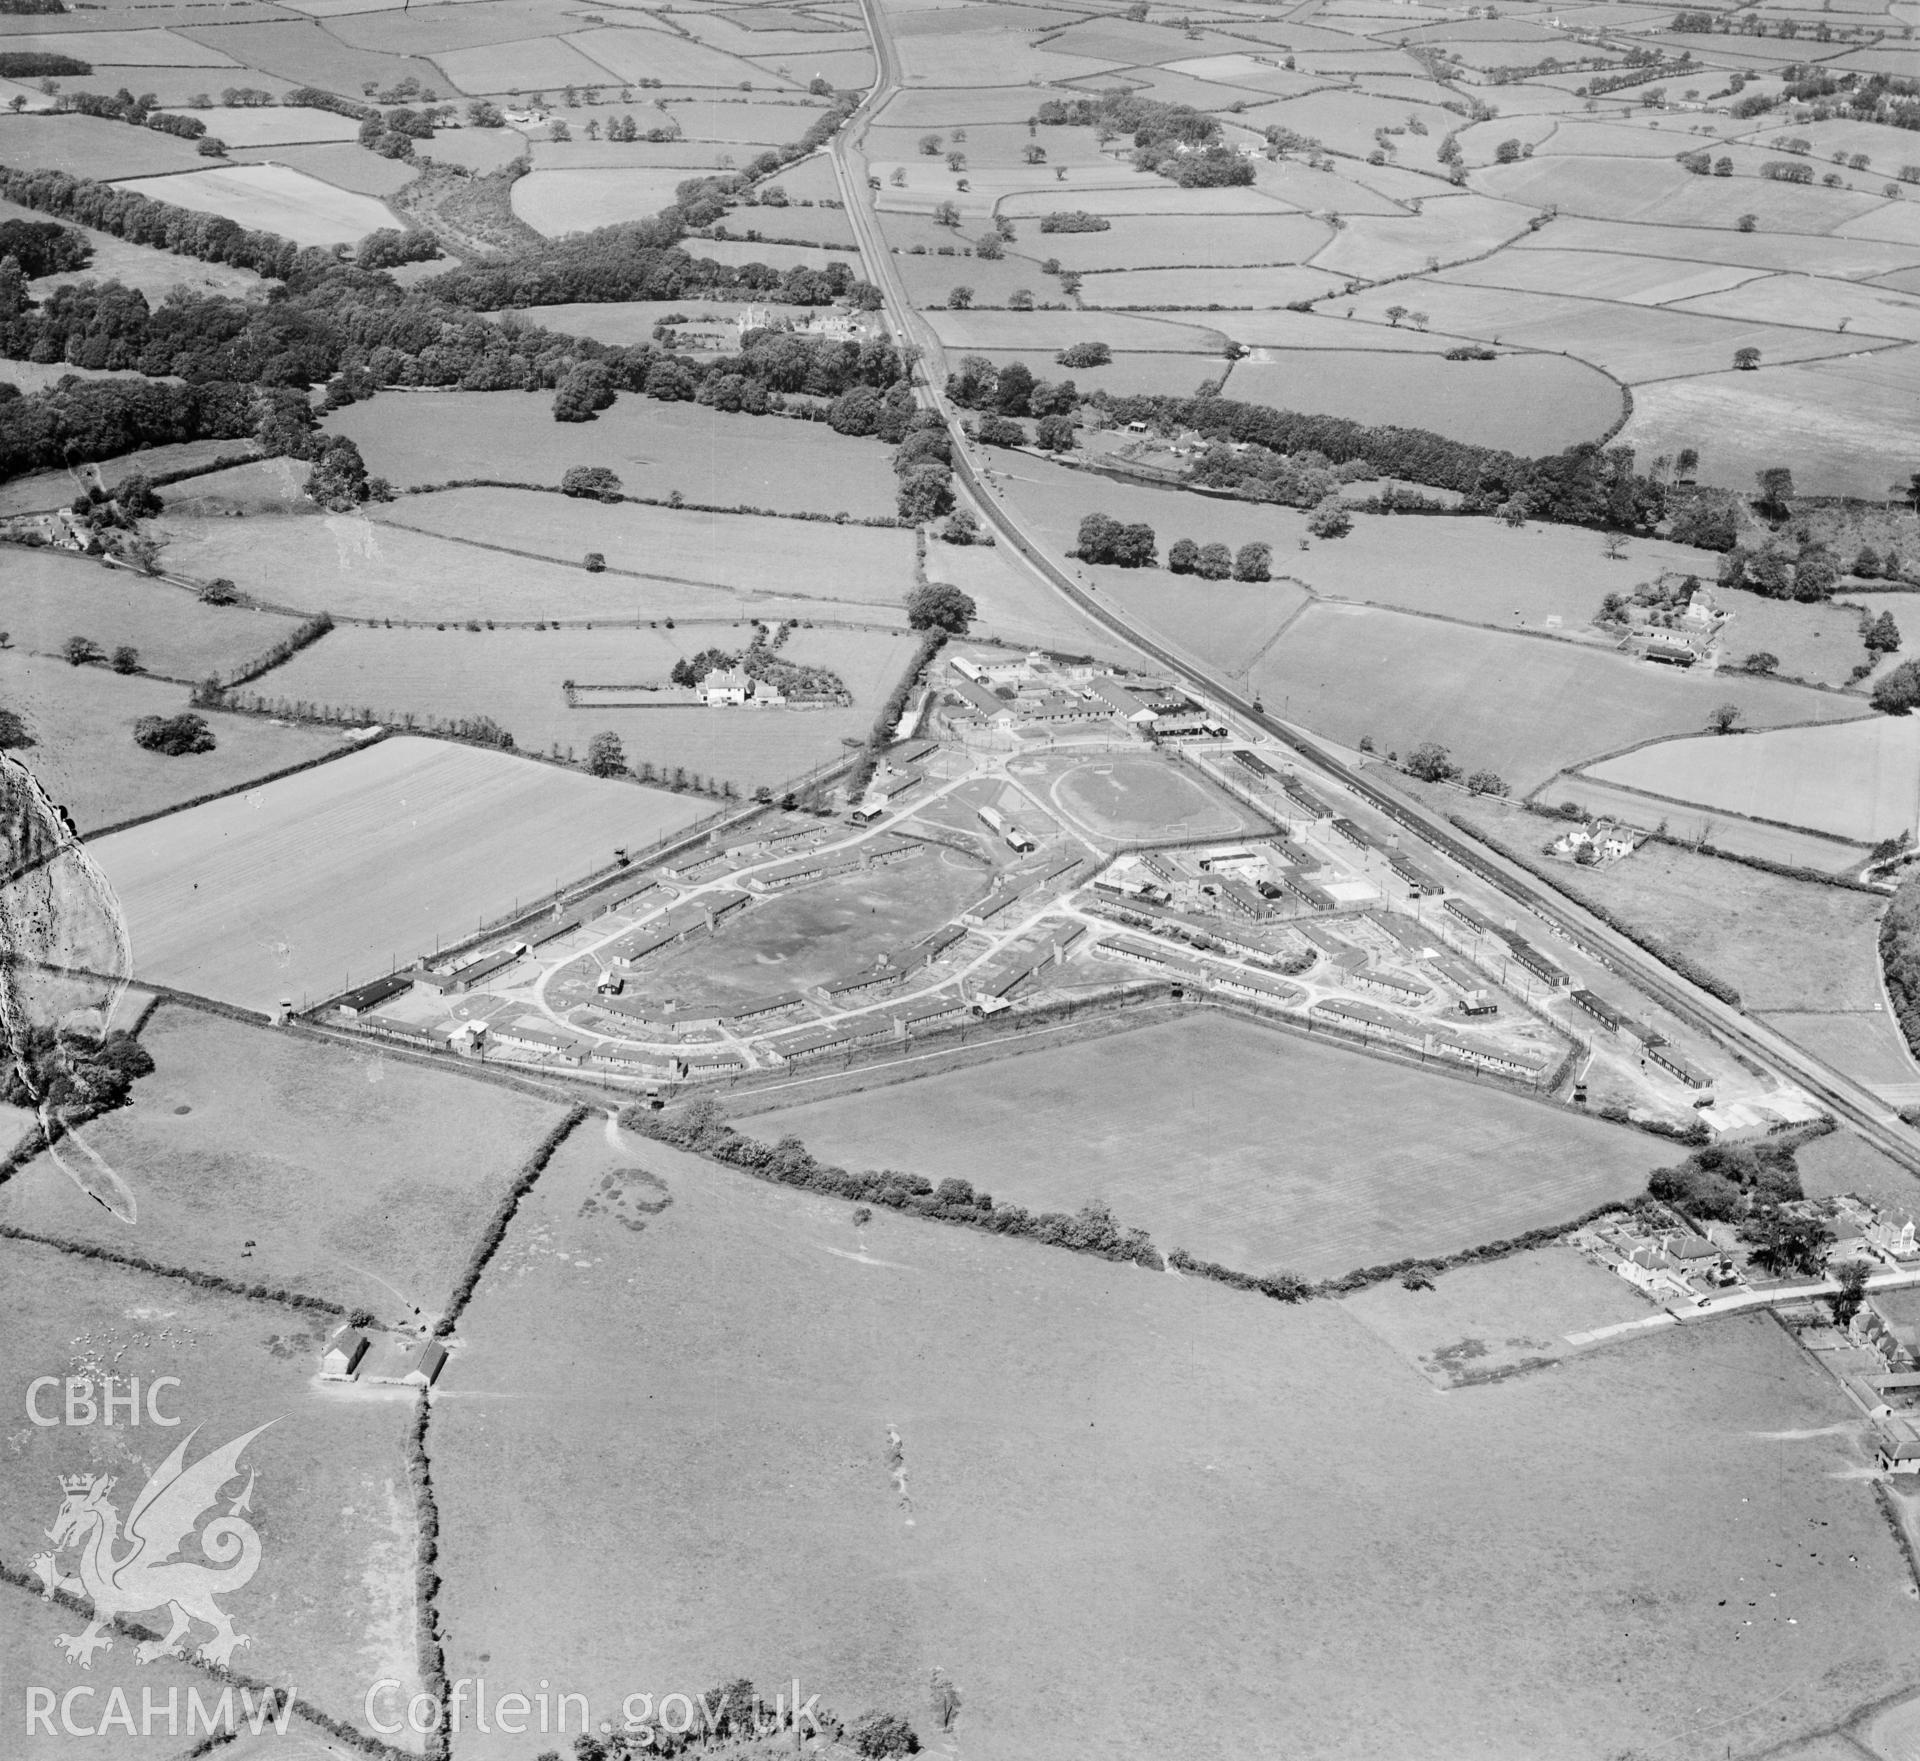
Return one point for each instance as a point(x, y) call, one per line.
point(174, 735)
point(44, 247)
point(1587, 485)
point(97, 419)
point(1103, 539)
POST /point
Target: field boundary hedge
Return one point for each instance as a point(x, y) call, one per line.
point(429, 1650)
point(272, 776)
point(1584, 773)
point(204, 1280)
point(273, 1697)
point(890, 522)
point(523, 1183)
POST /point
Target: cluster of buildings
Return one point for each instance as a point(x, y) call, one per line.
point(1036, 690)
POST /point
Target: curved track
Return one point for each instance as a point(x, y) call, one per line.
point(1753, 1040)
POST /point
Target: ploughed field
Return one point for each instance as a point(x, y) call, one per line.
point(333, 877)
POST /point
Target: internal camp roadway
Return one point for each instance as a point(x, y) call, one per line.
point(1848, 1100)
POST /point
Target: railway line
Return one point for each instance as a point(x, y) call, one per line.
point(1733, 1028)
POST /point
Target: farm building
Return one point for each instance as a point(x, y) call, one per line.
point(402, 1362)
point(726, 687)
point(340, 1361)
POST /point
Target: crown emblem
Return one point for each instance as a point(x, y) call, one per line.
point(76, 1482)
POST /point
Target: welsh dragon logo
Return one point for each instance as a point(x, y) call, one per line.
point(146, 1575)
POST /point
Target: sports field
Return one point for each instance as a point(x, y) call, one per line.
point(306, 886)
point(1861, 781)
point(1284, 1447)
point(817, 934)
point(334, 1170)
point(1240, 1143)
point(1139, 797)
point(1520, 706)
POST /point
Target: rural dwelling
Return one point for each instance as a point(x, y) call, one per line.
point(1897, 1454)
point(1892, 1235)
point(726, 687)
point(340, 1362)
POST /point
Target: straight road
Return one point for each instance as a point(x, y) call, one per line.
point(1847, 1099)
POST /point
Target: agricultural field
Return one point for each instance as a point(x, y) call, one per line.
point(670, 545)
point(81, 723)
point(330, 1606)
point(343, 165)
point(1521, 707)
point(1233, 1140)
point(152, 271)
point(39, 492)
point(1011, 606)
point(654, 448)
point(1316, 1432)
point(1836, 423)
point(91, 146)
point(1866, 1047)
point(271, 198)
point(1226, 624)
point(1859, 781)
point(53, 596)
point(275, 126)
point(555, 203)
point(268, 895)
point(331, 1169)
point(1819, 643)
point(1524, 403)
point(518, 678)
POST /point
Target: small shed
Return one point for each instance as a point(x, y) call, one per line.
point(340, 1362)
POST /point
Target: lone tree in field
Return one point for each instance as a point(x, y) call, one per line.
point(606, 757)
point(81, 651)
point(1330, 520)
point(1724, 717)
point(930, 146)
point(1486, 782)
point(1254, 562)
point(175, 735)
point(1762, 661)
point(338, 480)
point(1432, 763)
point(1746, 360)
point(1776, 492)
point(594, 481)
point(1899, 692)
point(1882, 636)
point(925, 493)
point(1055, 433)
point(1183, 556)
point(125, 659)
point(959, 298)
point(13, 731)
point(946, 213)
point(940, 606)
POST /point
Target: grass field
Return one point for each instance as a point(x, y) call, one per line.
point(90, 146)
point(52, 595)
point(330, 1606)
point(274, 126)
point(152, 271)
point(81, 722)
point(1378, 246)
point(654, 448)
point(1861, 781)
point(1864, 1046)
point(332, 1170)
point(1521, 707)
point(1838, 421)
point(1783, 944)
point(1530, 404)
point(1226, 624)
point(272, 198)
point(816, 934)
point(559, 202)
point(1195, 239)
point(1237, 1142)
point(38, 492)
point(1138, 797)
point(1013, 606)
point(785, 557)
point(1819, 643)
point(269, 895)
point(1287, 1447)
point(517, 677)
point(1206, 287)
point(343, 165)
